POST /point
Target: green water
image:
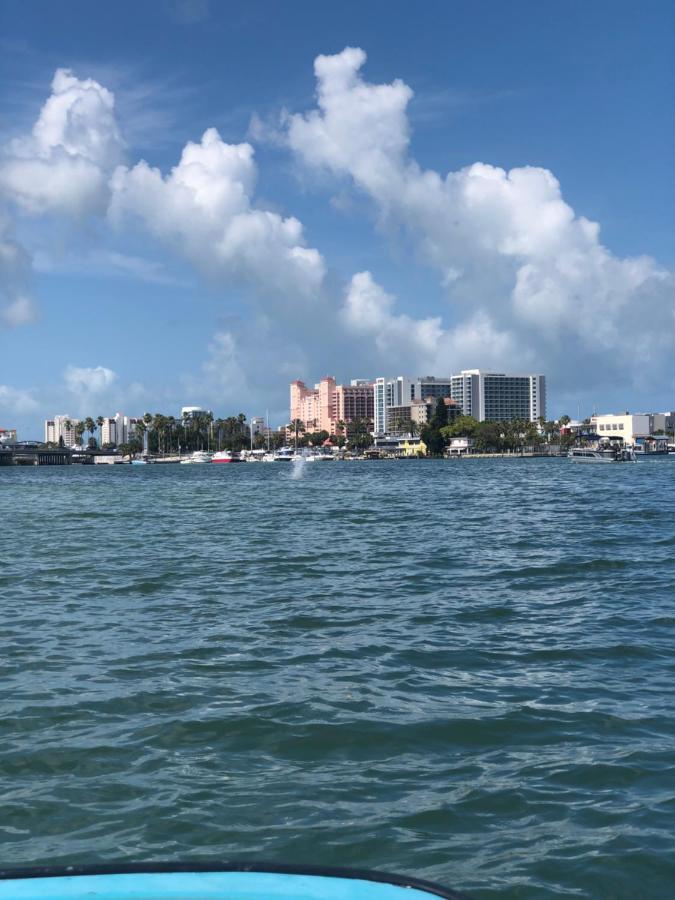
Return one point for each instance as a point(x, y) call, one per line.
point(459, 670)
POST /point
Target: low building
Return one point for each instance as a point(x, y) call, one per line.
point(626, 426)
point(663, 422)
point(8, 436)
point(193, 412)
point(459, 446)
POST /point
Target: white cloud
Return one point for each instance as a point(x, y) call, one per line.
point(203, 209)
point(368, 310)
point(17, 306)
point(63, 166)
point(107, 263)
point(89, 381)
point(509, 250)
point(16, 401)
point(21, 311)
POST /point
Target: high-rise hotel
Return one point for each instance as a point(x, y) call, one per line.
point(495, 397)
point(487, 396)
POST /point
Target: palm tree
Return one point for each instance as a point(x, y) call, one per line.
point(80, 429)
point(298, 427)
point(90, 426)
point(171, 425)
point(99, 422)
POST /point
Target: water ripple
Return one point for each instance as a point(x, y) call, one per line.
point(460, 670)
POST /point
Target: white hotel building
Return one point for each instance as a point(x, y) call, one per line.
point(397, 392)
point(487, 396)
point(117, 429)
point(495, 396)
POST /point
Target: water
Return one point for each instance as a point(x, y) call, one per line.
point(461, 670)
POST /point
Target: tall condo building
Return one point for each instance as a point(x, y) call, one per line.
point(391, 393)
point(322, 407)
point(117, 429)
point(494, 396)
point(60, 427)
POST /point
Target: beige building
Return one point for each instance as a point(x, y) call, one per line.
point(626, 426)
point(61, 427)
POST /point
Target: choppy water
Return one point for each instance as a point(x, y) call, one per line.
point(462, 670)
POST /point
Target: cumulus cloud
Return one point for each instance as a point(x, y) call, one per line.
point(203, 209)
point(368, 310)
point(16, 401)
point(512, 254)
point(16, 305)
point(64, 164)
point(421, 344)
point(89, 381)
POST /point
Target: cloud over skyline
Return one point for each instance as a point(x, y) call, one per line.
point(505, 245)
point(523, 282)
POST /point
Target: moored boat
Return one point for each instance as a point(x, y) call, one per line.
point(198, 457)
point(226, 456)
point(285, 454)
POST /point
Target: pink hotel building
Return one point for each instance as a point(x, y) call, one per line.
point(321, 408)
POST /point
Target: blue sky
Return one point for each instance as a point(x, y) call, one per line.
point(135, 301)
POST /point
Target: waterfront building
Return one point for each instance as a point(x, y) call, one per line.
point(495, 396)
point(191, 412)
point(117, 429)
point(633, 428)
point(325, 405)
point(61, 428)
point(8, 435)
point(663, 422)
point(390, 393)
point(414, 416)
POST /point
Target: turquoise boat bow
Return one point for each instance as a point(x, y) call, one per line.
point(190, 881)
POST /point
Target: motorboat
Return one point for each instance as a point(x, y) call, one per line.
point(226, 456)
point(158, 881)
point(602, 454)
point(285, 454)
point(199, 456)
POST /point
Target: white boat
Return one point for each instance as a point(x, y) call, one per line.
point(226, 456)
point(285, 454)
point(199, 456)
point(602, 454)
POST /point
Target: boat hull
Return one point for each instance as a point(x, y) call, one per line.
point(162, 882)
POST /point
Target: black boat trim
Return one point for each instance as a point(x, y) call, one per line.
point(151, 868)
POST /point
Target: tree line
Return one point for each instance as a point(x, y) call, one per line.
point(489, 437)
point(168, 435)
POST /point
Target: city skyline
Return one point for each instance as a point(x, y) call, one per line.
point(237, 210)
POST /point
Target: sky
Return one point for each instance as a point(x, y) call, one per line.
point(202, 201)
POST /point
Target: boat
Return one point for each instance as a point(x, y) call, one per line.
point(285, 454)
point(156, 881)
point(199, 456)
point(602, 454)
point(226, 456)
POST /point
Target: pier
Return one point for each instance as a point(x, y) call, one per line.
point(34, 454)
